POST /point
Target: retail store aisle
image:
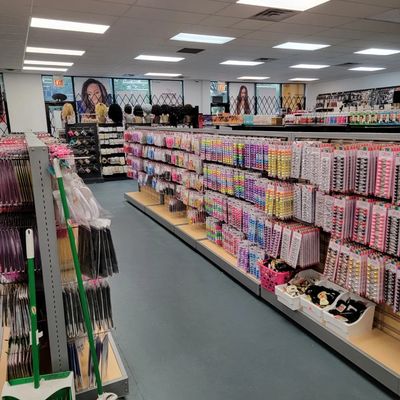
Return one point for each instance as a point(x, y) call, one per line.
point(188, 332)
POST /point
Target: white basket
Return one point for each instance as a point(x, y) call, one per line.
point(315, 312)
point(294, 302)
point(359, 327)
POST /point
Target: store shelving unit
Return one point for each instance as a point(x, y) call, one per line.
point(117, 379)
point(376, 353)
point(113, 132)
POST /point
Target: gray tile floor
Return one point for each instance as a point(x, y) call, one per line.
point(188, 332)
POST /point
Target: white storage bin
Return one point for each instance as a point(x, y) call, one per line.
point(294, 302)
point(315, 312)
point(361, 326)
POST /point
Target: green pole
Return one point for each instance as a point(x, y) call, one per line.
point(30, 253)
point(81, 289)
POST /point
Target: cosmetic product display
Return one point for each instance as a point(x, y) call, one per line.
point(319, 118)
point(374, 117)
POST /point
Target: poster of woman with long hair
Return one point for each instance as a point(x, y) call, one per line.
point(92, 91)
point(241, 98)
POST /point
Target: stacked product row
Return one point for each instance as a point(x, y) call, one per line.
point(169, 162)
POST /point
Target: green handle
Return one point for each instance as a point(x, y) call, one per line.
point(30, 253)
point(81, 289)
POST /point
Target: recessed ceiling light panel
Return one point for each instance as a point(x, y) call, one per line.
point(253, 78)
point(296, 5)
point(54, 63)
point(145, 57)
point(310, 66)
point(30, 68)
point(67, 25)
point(304, 79)
point(378, 52)
point(167, 74)
point(45, 50)
point(367, 69)
point(193, 37)
point(243, 63)
point(301, 46)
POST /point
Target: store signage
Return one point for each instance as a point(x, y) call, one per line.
point(221, 86)
point(58, 81)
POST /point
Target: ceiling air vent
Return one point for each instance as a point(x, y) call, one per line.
point(265, 59)
point(190, 50)
point(273, 14)
point(347, 65)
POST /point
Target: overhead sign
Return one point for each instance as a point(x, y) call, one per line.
point(58, 81)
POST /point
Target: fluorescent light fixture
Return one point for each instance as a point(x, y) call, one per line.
point(378, 52)
point(145, 57)
point(54, 63)
point(310, 66)
point(367, 69)
point(304, 79)
point(29, 68)
point(170, 75)
point(253, 78)
point(45, 50)
point(244, 63)
point(301, 46)
point(298, 5)
point(193, 37)
point(67, 25)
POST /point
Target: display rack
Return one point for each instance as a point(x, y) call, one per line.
point(376, 353)
point(112, 155)
point(117, 381)
point(85, 145)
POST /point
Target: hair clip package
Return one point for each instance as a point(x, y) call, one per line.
point(362, 221)
point(385, 173)
point(378, 226)
point(342, 217)
point(366, 170)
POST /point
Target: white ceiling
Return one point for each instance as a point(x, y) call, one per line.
point(145, 26)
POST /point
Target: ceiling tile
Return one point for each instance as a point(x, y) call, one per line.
point(240, 11)
point(383, 3)
point(203, 6)
point(294, 28)
point(87, 6)
point(349, 9)
point(72, 15)
point(253, 25)
point(159, 14)
point(373, 26)
point(217, 20)
point(318, 19)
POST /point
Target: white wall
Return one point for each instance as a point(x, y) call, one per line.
point(25, 102)
point(197, 93)
point(364, 82)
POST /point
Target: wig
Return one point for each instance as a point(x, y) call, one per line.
point(67, 111)
point(101, 112)
point(128, 109)
point(138, 111)
point(115, 113)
